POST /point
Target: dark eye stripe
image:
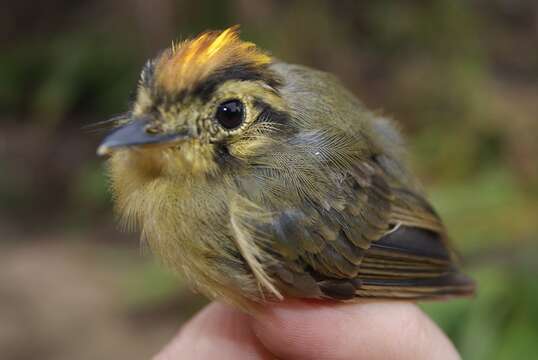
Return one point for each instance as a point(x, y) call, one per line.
point(247, 72)
point(269, 114)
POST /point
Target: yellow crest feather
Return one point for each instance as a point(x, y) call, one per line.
point(190, 62)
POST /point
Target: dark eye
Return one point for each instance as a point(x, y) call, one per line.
point(230, 114)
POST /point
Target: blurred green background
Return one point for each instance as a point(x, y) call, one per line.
point(461, 77)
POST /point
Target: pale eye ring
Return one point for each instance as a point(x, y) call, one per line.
point(230, 114)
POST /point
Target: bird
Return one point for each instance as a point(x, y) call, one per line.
point(260, 181)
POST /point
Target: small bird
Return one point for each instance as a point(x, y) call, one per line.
point(261, 180)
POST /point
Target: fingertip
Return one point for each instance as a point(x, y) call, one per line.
point(366, 329)
point(299, 329)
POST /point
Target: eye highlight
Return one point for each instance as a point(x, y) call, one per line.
point(230, 114)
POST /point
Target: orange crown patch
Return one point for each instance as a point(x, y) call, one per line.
point(188, 63)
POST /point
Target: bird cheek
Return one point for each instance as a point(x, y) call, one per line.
point(248, 147)
point(191, 159)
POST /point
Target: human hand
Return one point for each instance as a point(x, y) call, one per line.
point(312, 330)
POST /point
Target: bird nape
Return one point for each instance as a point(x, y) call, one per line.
point(261, 180)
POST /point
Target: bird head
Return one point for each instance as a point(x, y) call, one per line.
point(201, 106)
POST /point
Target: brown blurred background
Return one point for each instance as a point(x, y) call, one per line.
point(460, 76)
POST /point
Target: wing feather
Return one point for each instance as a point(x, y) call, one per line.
point(382, 240)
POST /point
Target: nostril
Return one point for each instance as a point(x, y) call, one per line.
point(154, 128)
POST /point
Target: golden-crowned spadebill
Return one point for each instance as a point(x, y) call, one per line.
point(261, 180)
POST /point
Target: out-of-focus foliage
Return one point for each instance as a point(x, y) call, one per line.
point(461, 77)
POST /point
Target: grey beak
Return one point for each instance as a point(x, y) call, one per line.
point(134, 134)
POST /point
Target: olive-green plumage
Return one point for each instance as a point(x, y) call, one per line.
point(260, 180)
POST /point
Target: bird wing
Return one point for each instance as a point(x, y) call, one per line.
point(366, 239)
